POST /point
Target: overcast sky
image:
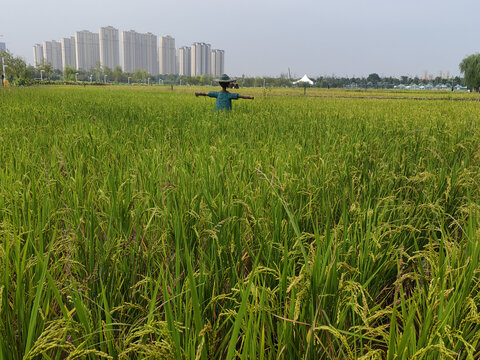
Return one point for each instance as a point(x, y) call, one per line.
point(266, 37)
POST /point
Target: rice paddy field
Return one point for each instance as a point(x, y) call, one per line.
point(136, 223)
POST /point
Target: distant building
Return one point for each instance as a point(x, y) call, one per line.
point(68, 52)
point(132, 51)
point(37, 55)
point(128, 43)
point(150, 44)
point(52, 54)
point(109, 47)
point(201, 59)
point(184, 58)
point(87, 53)
point(217, 62)
point(139, 52)
point(3, 46)
point(166, 55)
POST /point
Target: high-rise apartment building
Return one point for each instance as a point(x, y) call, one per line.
point(150, 45)
point(109, 47)
point(184, 56)
point(167, 55)
point(217, 62)
point(87, 53)
point(128, 43)
point(37, 55)
point(52, 54)
point(201, 59)
point(132, 51)
point(68, 52)
point(139, 52)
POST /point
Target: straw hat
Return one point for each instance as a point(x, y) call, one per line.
point(225, 79)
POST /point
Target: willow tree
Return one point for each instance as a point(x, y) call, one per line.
point(470, 67)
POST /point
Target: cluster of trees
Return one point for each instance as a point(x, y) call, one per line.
point(470, 67)
point(20, 73)
point(375, 81)
point(17, 68)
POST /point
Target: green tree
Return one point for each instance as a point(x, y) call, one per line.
point(373, 78)
point(47, 70)
point(69, 73)
point(16, 67)
point(107, 71)
point(137, 75)
point(117, 74)
point(145, 75)
point(98, 70)
point(470, 67)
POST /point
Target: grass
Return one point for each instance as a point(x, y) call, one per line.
point(137, 223)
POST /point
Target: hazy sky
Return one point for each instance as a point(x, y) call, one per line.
point(266, 37)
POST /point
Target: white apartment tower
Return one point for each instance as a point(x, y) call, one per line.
point(37, 55)
point(201, 59)
point(128, 43)
point(139, 52)
point(87, 50)
point(68, 52)
point(166, 55)
point(184, 56)
point(150, 45)
point(52, 54)
point(218, 62)
point(109, 47)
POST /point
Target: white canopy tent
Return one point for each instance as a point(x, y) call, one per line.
point(305, 80)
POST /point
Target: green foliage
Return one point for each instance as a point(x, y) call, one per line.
point(373, 78)
point(69, 73)
point(470, 67)
point(137, 223)
point(16, 67)
point(47, 70)
point(118, 75)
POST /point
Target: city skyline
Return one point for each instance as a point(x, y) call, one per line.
point(345, 37)
point(131, 51)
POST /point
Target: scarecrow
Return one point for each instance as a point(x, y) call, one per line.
point(224, 98)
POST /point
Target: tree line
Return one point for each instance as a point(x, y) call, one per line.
point(20, 73)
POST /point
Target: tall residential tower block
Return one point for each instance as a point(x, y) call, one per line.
point(139, 52)
point(167, 55)
point(37, 55)
point(217, 63)
point(201, 59)
point(109, 47)
point(87, 50)
point(184, 57)
point(52, 54)
point(68, 52)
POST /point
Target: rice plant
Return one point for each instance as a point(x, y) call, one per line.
point(138, 223)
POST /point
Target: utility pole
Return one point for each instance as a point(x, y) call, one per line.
point(4, 75)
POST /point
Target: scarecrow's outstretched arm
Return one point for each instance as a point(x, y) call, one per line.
point(245, 97)
point(197, 94)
